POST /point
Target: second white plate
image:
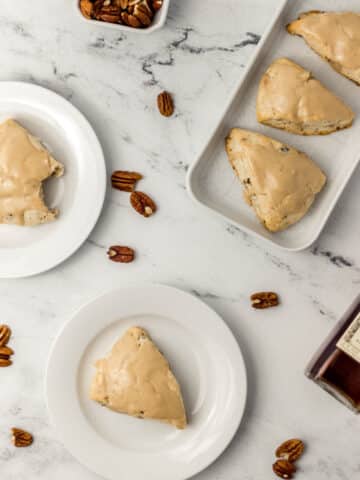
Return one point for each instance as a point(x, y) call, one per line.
point(204, 356)
point(79, 194)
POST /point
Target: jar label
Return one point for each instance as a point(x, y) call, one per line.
point(349, 343)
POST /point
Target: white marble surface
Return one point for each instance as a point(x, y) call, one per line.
point(114, 79)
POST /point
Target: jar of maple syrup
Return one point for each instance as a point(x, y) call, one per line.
point(336, 366)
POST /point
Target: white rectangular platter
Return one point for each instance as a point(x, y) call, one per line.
point(211, 181)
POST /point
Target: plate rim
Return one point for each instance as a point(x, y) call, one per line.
point(102, 178)
point(240, 372)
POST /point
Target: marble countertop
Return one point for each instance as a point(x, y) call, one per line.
point(114, 78)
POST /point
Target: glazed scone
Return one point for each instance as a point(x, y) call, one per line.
point(24, 165)
point(279, 182)
point(335, 36)
point(135, 379)
point(290, 98)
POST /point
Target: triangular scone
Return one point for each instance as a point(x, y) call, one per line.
point(24, 165)
point(335, 36)
point(290, 98)
point(135, 378)
point(279, 182)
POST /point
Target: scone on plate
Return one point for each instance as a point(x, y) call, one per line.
point(24, 165)
point(279, 182)
point(290, 98)
point(335, 36)
point(135, 378)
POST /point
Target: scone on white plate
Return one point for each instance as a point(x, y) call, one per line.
point(290, 98)
point(24, 165)
point(279, 182)
point(335, 36)
point(136, 379)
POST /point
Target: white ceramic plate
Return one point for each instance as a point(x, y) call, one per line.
point(79, 194)
point(204, 356)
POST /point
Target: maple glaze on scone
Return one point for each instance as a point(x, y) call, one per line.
point(135, 379)
point(24, 165)
point(279, 182)
point(333, 35)
point(290, 98)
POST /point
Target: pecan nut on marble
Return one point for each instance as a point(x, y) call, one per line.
point(21, 438)
point(5, 354)
point(5, 334)
point(125, 181)
point(157, 4)
point(263, 300)
point(165, 104)
point(120, 254)
point(284, 469)
point(142, 203)
point(133, 13)
point(290, 450)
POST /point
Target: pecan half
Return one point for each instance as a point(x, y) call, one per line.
point(86, 8)
point(165, 104)
point(284, 469)
point(143, 13)
point(130, 20)
point(120, 254)
point(5, 362)
point(157, 4)
point(6, 351)
point(123, 4)
point(5, 354)
point(290, 450)
point(109, 14)
point(21, 438)
point(125, 181)
point(142, 203)
point(5, 334)
point(264, 300)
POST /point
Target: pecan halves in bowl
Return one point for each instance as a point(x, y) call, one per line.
point(5, 354)
point(87, 8)
point(133, 13)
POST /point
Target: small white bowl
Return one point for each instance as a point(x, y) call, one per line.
point(158, 21)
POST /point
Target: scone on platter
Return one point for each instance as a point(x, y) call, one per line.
point(24, 165)
point(136, 379)
point(290, 98)
point(335, 36)
point(279, 182)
